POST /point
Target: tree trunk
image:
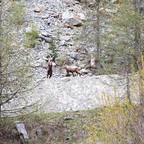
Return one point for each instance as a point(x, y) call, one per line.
point(137, 32)
point(127, 78)
point(98, 29)
point(0, 57)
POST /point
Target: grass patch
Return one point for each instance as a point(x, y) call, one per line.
point(55, 129)
point(102, 125)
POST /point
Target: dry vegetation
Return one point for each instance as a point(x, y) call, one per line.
point(55, 129)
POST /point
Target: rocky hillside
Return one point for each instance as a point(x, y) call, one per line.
point(69, 94)
point(61, 20)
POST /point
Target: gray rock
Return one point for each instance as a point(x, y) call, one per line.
point(75, 22)
point(48, 22)
point(77, 1)
point(47, 40)
point(44, 33)
point(37, 65)
point(67, 15)
point(84, 71)
point(74, 55)
point(39, 8)
point(65, 79)
point(22, 131)
point(39, 132)
point(62, 43)
point(66, 38)
point(81, 16)
point(45, 17)
point(70, 18)
point(69, 117)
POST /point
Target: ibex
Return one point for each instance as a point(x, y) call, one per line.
point(71, 69)
point(49, 70)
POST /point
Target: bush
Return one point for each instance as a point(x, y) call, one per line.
point(121, 122)
point(52, 47)
point(32, 37)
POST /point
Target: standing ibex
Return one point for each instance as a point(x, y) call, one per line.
point(49, 70)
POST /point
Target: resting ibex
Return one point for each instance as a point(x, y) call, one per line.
point(72, 69)
point(49, 70)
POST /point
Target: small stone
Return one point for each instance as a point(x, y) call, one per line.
point(45, 17)
point(48, 22)
point(75, 22)
point(62, 43)
point(37, 65)
point(69, 117)
point(84, 71)
point(47, 40)
point(74, 56)
point(92, 63)
point(66, 38)
point(39, 9)
point(77, 2)
point(39, 132)
point(44, 33)
point(65, 79)
point(81, 16)
point(47, 45)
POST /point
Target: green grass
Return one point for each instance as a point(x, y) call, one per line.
point(55, 129)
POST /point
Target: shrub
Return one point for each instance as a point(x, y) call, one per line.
point(52, 47)
point(32, 37)
point(121, 122)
